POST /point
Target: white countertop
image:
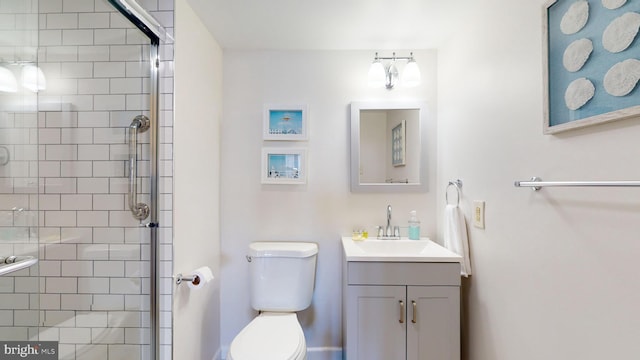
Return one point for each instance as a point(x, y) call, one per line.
point(423, 250)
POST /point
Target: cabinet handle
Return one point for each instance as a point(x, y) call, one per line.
point(415, 311)
point(401, 312)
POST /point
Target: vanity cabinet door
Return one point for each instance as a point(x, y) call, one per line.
point(376, 323)
point(433, 330)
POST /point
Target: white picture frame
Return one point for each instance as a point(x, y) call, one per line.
point(285, 122)
point(284, 165)
point(398, 144)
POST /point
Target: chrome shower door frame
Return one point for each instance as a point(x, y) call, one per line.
point(153, 32)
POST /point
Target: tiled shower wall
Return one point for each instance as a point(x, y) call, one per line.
point(94, 257)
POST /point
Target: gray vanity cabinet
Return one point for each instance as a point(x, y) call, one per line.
point(400, 311)
point(374, 330)
point(436, 331)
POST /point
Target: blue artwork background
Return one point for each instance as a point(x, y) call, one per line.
point(283, 165)
point(277, 124)
point(594, 69)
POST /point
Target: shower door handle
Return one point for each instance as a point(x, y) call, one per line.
point(140, 124)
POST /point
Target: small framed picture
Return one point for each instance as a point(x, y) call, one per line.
point(285, 122)
point(284, 166)
point(398, 144)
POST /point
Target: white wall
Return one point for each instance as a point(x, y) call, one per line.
point(198, 109)
point(323, 209)
point(554, 270)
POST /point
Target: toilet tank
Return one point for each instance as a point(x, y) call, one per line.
point(282, 275)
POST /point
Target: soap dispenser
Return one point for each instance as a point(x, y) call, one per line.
point(414, 226)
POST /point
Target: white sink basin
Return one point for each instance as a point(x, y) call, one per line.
point(423, 250)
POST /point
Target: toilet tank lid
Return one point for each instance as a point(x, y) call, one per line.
point(282, 249)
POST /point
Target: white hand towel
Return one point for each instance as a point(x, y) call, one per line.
point(455, 236)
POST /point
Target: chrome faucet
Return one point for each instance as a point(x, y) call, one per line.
point(388, 232)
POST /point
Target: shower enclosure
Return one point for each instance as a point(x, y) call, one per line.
point(86, 139)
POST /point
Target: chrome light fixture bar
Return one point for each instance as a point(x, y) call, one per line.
point(383, 72)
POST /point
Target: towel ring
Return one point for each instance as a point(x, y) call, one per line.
point(457, 184)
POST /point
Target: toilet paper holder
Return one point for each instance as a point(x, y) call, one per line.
point(194, 279)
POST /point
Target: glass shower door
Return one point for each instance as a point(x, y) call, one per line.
point(19, 186)
point(95, 267)
point(73, 77)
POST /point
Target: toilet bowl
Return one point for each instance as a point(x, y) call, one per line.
point(270, 336)
point(282, 278)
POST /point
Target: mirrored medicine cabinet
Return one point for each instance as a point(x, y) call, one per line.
point(388, 147)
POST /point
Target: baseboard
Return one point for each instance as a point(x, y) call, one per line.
point(324, 353)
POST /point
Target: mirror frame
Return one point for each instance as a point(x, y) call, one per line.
point(356, 186)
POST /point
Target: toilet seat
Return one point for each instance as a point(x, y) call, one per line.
point(270, 336)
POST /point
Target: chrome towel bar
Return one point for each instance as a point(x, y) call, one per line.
point(536, 183)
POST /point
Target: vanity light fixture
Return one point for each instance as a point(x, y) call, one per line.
point(31, 77)
point(386, 74)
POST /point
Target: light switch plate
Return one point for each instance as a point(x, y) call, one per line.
point(478, 213)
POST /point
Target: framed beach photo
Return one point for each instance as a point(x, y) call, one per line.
point(285, 122)
point(284, 166)
point(591, 62)
point(398, 144)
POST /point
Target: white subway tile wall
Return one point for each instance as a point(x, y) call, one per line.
point(63, 194)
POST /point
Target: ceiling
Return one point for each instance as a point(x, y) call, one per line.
point(329, 24)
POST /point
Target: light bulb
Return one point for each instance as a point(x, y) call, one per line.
point(8, 81)
point(377, 74)
point(33, 78)
point(411, 74)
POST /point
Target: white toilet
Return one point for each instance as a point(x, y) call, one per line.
point(282, 277)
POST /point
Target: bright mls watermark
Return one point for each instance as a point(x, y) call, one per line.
point(30, 350)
